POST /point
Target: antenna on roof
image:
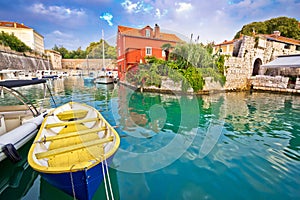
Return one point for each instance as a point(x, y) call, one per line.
point(197, 40)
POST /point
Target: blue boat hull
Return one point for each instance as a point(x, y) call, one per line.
point(85, 183)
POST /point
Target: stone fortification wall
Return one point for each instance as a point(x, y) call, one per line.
point(23, 61)
point(297, 86)
point(252, 49)
point(85, 64)
point(237, 74)
point(239, 68)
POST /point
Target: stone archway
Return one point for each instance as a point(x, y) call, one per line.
point(256, 66)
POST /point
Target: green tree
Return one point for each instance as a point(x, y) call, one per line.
point(13, 42)
point(195, 55)
point(62, 50)
point(190, 63)
point(166, 48)
point(95, 50)
point(288, 27)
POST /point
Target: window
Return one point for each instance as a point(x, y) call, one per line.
point(119, 51)
point(163, 53)
point(147, 33)
point(287, 46)
point(148, 51)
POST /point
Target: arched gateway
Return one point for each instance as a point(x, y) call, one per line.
point(256, 66)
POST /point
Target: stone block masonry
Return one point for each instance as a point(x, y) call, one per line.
point(11, 60)
point(253, 52)
point(85, 64)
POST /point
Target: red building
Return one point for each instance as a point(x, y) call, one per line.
point(133, 45)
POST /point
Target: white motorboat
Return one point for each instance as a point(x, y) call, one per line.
point(18, 123)
point(104, 79)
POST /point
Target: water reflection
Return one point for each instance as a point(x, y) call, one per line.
point(16, 178)
point(253, 146)
point(218, 146)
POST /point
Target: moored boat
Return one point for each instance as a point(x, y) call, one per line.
point(104, 79)
point(18, 123)
point(72, 149)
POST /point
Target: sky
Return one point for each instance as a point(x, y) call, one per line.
point(77, 23)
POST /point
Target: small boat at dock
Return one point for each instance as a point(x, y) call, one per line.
point(104, 80)
point(73, 148)
point(18, 123)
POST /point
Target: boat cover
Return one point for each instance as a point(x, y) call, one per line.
point(20, 83)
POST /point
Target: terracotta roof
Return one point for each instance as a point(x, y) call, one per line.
point(273, 37)
point(279, 38)
point(226, 42)
point(138, 33)
point(13, 25)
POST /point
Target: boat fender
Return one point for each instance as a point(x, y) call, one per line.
point(11, 152)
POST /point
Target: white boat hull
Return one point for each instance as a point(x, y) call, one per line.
point(104, 80)
point(20, 135)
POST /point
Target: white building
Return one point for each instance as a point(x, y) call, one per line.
point(26, 34)
point(55, 58)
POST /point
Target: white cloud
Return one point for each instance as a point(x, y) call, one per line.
point(146, 9)
point(138, 7)
point(183, 7)
point(58, 33)
point(159, 13)
point(130, 7)
point(61, 38)
point(59, 12)
point(107, 17)
point(248, 4)
point(213, 20)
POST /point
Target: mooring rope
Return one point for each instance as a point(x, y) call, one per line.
point(72, 183)
point(108, 177)
point(73, 187)
point(104, 177)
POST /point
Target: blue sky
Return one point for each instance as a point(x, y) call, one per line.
point(76, 23)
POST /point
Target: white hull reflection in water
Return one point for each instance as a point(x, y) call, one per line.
point(211, 138)
point(231, 145)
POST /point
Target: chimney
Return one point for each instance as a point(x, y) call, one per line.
point(156, 31)
point(276, 33)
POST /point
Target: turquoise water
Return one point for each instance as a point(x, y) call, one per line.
point(219, 146)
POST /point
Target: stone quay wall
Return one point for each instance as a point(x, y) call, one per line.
point(270, 81)
point(275, 84)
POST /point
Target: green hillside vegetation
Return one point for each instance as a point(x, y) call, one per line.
point(288, 27)
point(10, 40)
point(94, 50)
